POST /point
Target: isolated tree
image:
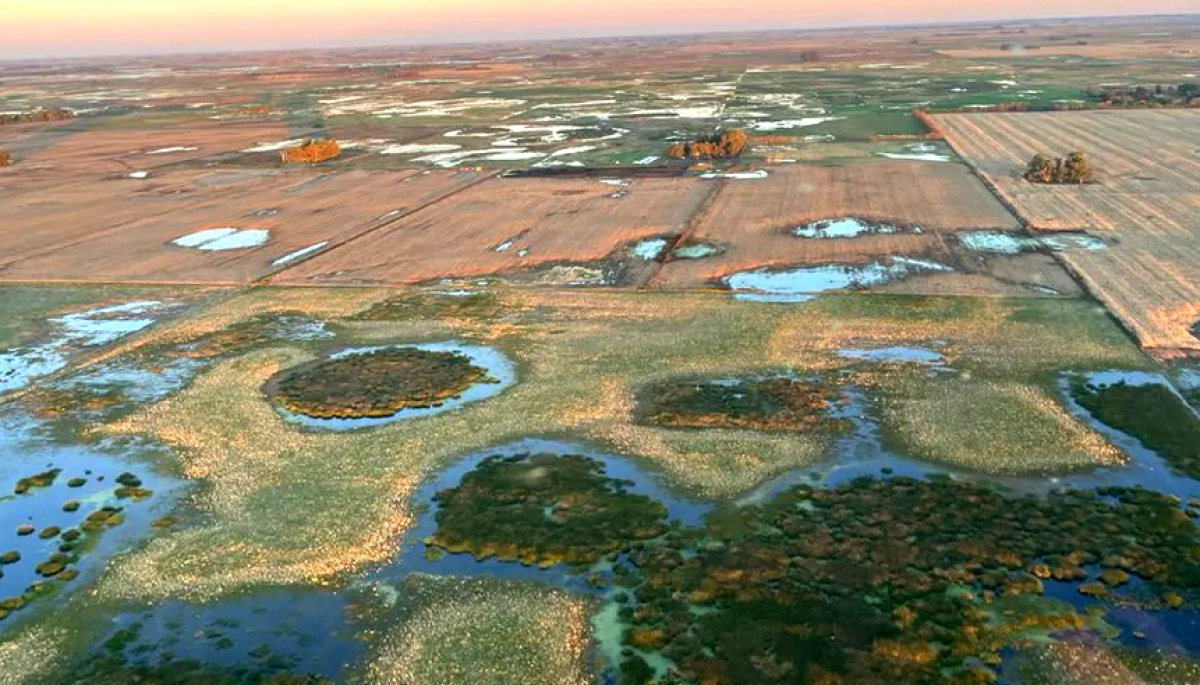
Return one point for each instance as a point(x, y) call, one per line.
point(718, 145)
point(311, 151)
point(1041, 169)
point(1076, 169)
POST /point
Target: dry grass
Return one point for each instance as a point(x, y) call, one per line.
point(752, 219)
point(555, 220)
point(469, 632)
point(1146, 204)
point(300, 208)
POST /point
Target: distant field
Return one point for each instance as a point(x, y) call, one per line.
point(505, 225)
point(752, 220)
point(300, 209)
point(1145, 205)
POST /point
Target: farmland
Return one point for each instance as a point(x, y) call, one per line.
point(1145, 205)
point(509, 224)
point(504, 392)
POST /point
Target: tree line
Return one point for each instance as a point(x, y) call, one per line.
point(721, 145)
point(311, 151)
point(1072, 169)
point(53, 114)
point(1147, 96)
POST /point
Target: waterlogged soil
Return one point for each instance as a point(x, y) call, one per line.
point(74, 333)
point(1007, 242)
point(696, 251)
point(801, 284)
point(772, 404)
point(65, 509)
point(597, 475)
point(849, 227)
point(923, 581)
point(502, 509)
point(1149, 410)
point(378, 383)
point(274, 638)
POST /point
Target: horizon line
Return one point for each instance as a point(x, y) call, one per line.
point(101, 56)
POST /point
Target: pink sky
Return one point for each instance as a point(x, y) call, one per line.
point(83, 27)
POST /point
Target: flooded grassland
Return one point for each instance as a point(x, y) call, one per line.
point(743, 412)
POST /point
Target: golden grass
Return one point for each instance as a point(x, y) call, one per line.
point(995, 427)
point(276, 498)
point(28, 655)
point(470, 632)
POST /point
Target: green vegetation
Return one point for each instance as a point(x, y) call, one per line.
point(543, 509)
point(907, 581)
point(39, 480)
point(776, 404)
point(434, 305)
point(1151, 413)
point(378, 383)
point(1073, 170)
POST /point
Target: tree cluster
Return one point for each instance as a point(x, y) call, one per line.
point(716, 146)
point(1073, 169)
point(312, 151)
point(53, 114)
point(1147, 96)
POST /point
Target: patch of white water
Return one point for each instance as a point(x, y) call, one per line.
point(219, 239)
point(139, 174)
point(87, 329)
point(915, 355)
point(804, 283)
point(847, 227)
point(648, 250)
point(169, 150)
point(275, 147)
point(299, 254)
point(738, 175)
point(916, 156)
point(998, 242)
point(789, 124)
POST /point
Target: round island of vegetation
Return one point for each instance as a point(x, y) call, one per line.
point(378, 383)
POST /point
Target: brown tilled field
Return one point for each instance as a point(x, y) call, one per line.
point(116, 151)
point(1145, 204)
point(300, 208)
point(554, 220)
point(752, 219)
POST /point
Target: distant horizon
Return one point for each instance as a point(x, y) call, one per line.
point(139, 28)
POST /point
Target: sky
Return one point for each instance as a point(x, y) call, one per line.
point(74, 28)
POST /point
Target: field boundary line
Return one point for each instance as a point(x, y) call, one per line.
point(334, 245)
point(689, 229)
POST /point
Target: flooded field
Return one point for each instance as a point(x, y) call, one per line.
point(804, 283)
